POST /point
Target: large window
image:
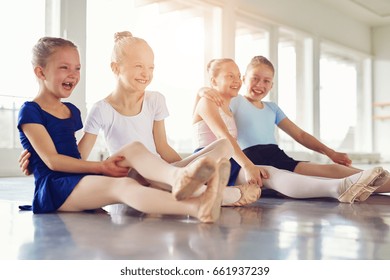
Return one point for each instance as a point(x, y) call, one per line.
point(287, 87)
point(176, 31)
point(295, 83)
point(20, 30)
point(250, 41)
point(338, 102)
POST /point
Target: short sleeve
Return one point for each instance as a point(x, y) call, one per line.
point(94, 120)
point(160, 106)
point(279, 114)
point(76, 116)
point(30, 113)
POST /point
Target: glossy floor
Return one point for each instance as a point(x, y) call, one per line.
point(273, 228)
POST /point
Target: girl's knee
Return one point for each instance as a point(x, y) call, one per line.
point(134, 146)
point(226, 147)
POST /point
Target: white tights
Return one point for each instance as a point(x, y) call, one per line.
point(300, 186)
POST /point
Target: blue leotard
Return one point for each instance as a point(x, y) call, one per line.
point(51, 187)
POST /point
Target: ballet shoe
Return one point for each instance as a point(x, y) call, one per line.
point(193, 177)
point(249, 193)
point(365, 193)
point(211, 200)
point(351, 190)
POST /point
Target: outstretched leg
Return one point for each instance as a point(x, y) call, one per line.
point(355, 187)
point(94, 192)
point(184, 180)
point(334, 171)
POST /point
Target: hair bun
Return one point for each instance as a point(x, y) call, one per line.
point(122, 35)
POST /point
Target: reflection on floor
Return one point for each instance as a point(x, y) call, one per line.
point(273, 228)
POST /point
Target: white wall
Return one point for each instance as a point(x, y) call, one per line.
point(315, 18)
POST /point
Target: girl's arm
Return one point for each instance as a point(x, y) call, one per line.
point(209, 112)
point(312, 143)
point(86, 144)
point(209, 93)
point(44, 146)
point(85, 147)
point(163, 148)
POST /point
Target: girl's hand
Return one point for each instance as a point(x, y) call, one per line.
point(24, 161)
point(341, 158)
point(212, 95)
point(110, 167)
point(253, 174)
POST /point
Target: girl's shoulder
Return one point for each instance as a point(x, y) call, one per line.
point(236, 102)
point(154, 97)
point(30, 107)
point(271, 104)
point(30, 112)
point(30, 104)
point(238, 98)
point(72, 107)
point(152, 94)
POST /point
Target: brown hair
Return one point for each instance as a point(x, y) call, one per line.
point(45, 47)
point(258, 60)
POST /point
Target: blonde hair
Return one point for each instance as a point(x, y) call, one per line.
point(260, 60)
point(215, 65)
point(45, 47)
point(121, 41)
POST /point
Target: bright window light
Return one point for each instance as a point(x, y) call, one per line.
point(18, 82)
point(338, 97)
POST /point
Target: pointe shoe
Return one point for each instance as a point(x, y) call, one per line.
point(365, 193)
point(193, 177)
point(249, 194)
point(350, 190)
point(211, 199)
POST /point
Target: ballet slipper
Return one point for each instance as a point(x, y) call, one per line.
point(349, 191)
point(193, 177)
point(368, 190)
point(249, 194)
point(211, 200)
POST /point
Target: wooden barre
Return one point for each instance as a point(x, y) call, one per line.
point(382, 118)
point(381, 104)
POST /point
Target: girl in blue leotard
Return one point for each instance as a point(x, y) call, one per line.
point(64, 181)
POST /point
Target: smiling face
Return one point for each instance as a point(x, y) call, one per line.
point(135, 68)
point(259, 81)
point(61, 73)
point(227, 79)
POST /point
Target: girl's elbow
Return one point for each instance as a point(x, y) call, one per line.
point(52, 164)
